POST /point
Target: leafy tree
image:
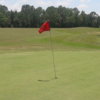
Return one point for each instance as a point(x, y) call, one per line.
point(93, 19)
point(4, 21)
point(3, 9)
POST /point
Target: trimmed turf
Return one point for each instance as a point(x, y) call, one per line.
point(30, 75)
point(26, 66)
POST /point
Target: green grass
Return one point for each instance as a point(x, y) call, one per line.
point(17, 40)
point(26, 66)
point(30, 75)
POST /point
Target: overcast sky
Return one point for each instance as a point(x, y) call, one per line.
point(86, 5)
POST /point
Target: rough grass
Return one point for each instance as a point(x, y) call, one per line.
point(17, 40)
point(26, 66)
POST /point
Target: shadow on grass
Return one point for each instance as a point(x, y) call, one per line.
point(47, 80)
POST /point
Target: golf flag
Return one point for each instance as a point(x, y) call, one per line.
point(44, 27)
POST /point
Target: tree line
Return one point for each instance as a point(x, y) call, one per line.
point(59, 17)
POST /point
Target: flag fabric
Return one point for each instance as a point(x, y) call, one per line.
point(44, 27)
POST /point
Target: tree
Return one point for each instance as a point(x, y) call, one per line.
point(26, 14)
point(64, 13)
point(76, 16)
point(3, 9)
point(98, 21)
point(93, 19)
point(53, 16)
point(4, 21)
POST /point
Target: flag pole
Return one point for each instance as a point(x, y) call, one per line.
point(53, 55)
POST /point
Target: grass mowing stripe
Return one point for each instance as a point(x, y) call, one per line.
point(21, 39)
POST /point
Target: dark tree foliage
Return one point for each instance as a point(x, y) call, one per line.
point(60, 17)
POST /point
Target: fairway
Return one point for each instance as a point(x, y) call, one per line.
point(26, 64)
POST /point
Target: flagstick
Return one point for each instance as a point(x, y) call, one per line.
point(53, 55)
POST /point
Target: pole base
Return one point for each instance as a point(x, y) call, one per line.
point(56, 78)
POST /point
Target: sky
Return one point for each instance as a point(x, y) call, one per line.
point(85, 5)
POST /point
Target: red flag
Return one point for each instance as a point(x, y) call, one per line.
point(44, 27)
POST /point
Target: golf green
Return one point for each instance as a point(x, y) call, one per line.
point(30, 75)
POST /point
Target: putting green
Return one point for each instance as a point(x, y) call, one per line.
point(30, 75)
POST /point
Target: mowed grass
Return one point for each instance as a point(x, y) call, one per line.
point(26, 64)
point(17, 40)
point(30, 76)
